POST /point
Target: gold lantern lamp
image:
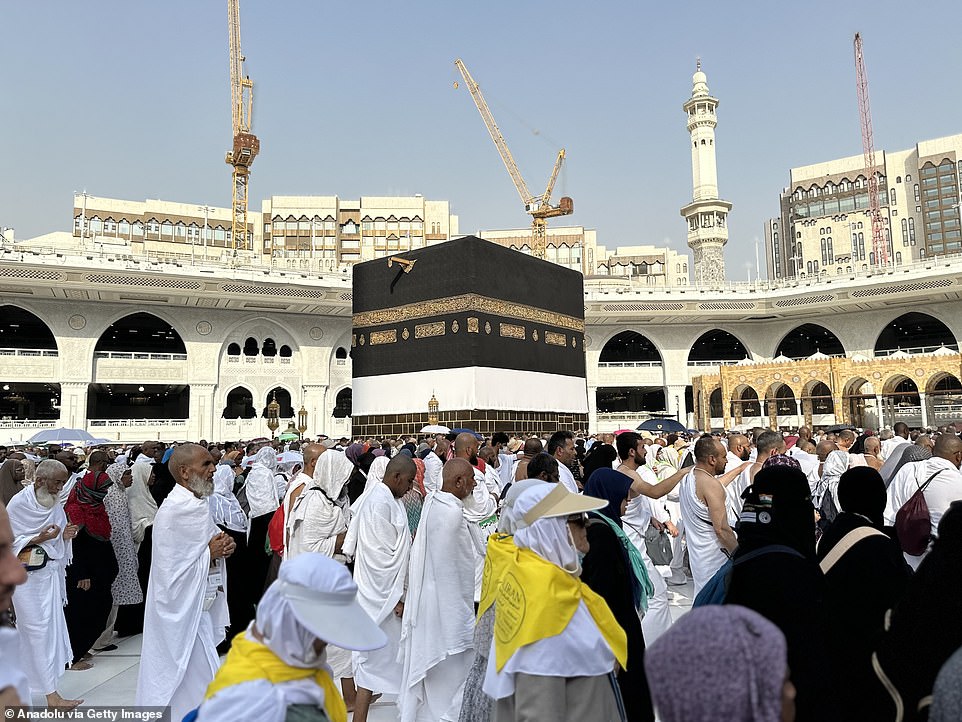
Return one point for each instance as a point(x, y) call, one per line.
point(433, 410)
point(302, 421)
point(273, 414)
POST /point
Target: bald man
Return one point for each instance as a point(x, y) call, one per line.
point(532, 447)
point(380, 570)
point(739, 451)
point(186, 608)
point(311, 452)
point(872, 449)
point(438, 621)
point(940, 479)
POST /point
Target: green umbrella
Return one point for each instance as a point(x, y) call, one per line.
point(288, 436)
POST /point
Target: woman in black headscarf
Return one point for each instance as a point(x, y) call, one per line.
point(924, 629)
point(862, 584)
point(608, 570)
point(775, 573)
point(600, 456)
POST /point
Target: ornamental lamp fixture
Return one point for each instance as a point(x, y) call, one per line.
point(273, 414)
point(302, 421)
point(433, 410)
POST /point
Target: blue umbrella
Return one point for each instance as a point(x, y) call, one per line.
point(59, 435)
point(662, 425)
point(467, 431)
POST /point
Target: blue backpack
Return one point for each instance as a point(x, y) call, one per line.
point(715, 591)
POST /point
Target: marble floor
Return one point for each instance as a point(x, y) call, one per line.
point(113, 679)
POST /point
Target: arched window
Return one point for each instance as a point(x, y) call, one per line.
point(341, 353)
point(21, 329)
point(629, 347)
point(239, 404)
point(269, 348)
point(250, 347)
point(342, 404)
point(141, 332)
point(286, 351)
point(233, 350)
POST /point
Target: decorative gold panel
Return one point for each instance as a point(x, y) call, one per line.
point(427, 330)
point(555, 339)
point(473, 325)
point(509, 330)
point(380, 337)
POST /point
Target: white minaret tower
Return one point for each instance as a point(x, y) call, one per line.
point(707, 215)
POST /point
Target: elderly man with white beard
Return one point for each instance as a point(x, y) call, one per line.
point(186, 609)
point(42, 537)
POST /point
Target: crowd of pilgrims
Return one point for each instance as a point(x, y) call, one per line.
point(521, 577)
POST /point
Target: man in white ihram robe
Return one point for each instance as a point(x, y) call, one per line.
point(437, 636)
point(380, 540)
point(37, 518)
point(186, 610)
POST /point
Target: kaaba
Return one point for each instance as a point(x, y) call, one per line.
point(467, 334)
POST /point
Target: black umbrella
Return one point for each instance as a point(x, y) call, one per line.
point(662, 425)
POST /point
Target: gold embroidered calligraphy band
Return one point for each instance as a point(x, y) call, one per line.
point(467, 302)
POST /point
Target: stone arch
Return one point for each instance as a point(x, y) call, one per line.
point(141, 332)
point(343, 403)
point(630, 347)
point(808, 338)
point(748, 398)
point(717, 345)
point(914, 330)
point(285, 397)
point(942, 383)
point(261, 328)
point(715, 405)
point(21, 328)
point(239, 403)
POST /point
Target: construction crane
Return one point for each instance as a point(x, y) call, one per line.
point(538, 207)
point(879, 243)
point(246, 145)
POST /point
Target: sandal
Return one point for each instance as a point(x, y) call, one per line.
point(80, 666)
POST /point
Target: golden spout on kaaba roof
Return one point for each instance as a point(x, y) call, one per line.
point(405, 264)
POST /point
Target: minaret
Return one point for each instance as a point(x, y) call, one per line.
point(707, 215)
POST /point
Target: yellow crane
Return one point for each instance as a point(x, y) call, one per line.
point(246, 145)
point(538, 207)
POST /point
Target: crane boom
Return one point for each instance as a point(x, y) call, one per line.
point(538, 207)
point(496, 135)
point(245, 146)
point(546, 198)
point(872, 171)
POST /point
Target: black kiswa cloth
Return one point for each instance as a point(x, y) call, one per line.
point(472, 287)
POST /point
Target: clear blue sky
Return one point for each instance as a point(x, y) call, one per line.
point(131, 100)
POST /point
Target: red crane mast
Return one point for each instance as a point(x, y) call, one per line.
point(872, 170)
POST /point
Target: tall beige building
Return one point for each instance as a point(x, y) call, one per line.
point(323, 231)
point(824, 228)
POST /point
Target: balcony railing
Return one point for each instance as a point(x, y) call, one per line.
point(29, 352)
point(712, 363)
point(629, 364)
point(138, 356)
point(914, 350)
point(27, 424)
point(135, 422)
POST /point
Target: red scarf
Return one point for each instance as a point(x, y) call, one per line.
point(85, 505)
